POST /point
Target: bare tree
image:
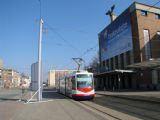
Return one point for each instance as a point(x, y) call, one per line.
point(93, 65)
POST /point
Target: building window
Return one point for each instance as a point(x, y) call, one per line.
point(107, 64)
point(157, 16)
point(122, 60)
point(158, 35)
point(147, 46)
point(116, 62)
point(128, 57)
point(112, 64)
point(103, 63)
point(143, 13)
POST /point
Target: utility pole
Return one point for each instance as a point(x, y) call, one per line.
point(40, 62)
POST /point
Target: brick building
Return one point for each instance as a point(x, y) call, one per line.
point(129, 50)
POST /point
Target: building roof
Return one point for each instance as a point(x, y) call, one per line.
point(137, 6)
point(145, 7)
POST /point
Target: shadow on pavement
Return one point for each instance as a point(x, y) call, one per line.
point(9, 99)
point(49, 89)
point(52, 94)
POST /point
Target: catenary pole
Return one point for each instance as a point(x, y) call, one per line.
point(40, 62)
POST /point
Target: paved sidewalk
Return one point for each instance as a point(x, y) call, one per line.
point(58, 107)
point(147, 96)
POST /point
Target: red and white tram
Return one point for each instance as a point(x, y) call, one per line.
point(78, 85)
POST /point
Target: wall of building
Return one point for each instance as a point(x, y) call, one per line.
point(51, 78)
point(152, 24)
point(55, 75)
point(140, 23)
point(146, 45)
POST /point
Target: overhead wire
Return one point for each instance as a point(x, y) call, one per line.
point(61, 37)
point(89, 49)
point(69, 44)
point(82, 55)
point(40, 9)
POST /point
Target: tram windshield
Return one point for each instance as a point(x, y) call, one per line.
point(84, 81)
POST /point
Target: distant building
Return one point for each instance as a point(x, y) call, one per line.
point(11, 78)
point(1, 80)
point(1, 64)
point(129, 50)
point(55, 75)
point(0, 73)
point(25, 81)
point(51, 78)
point(34, 76)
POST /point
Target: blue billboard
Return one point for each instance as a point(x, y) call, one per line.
point(116, 38)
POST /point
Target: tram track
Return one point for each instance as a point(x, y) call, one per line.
point(91, 109)
point(99, 110)
point(116, 114)
point(139, 109)
point(102, 110)
point(137, 106)
point(122, 109)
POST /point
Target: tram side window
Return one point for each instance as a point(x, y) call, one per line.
point(67, 82)
point(73, 83)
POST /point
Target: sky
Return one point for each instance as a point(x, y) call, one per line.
point(70, 30)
